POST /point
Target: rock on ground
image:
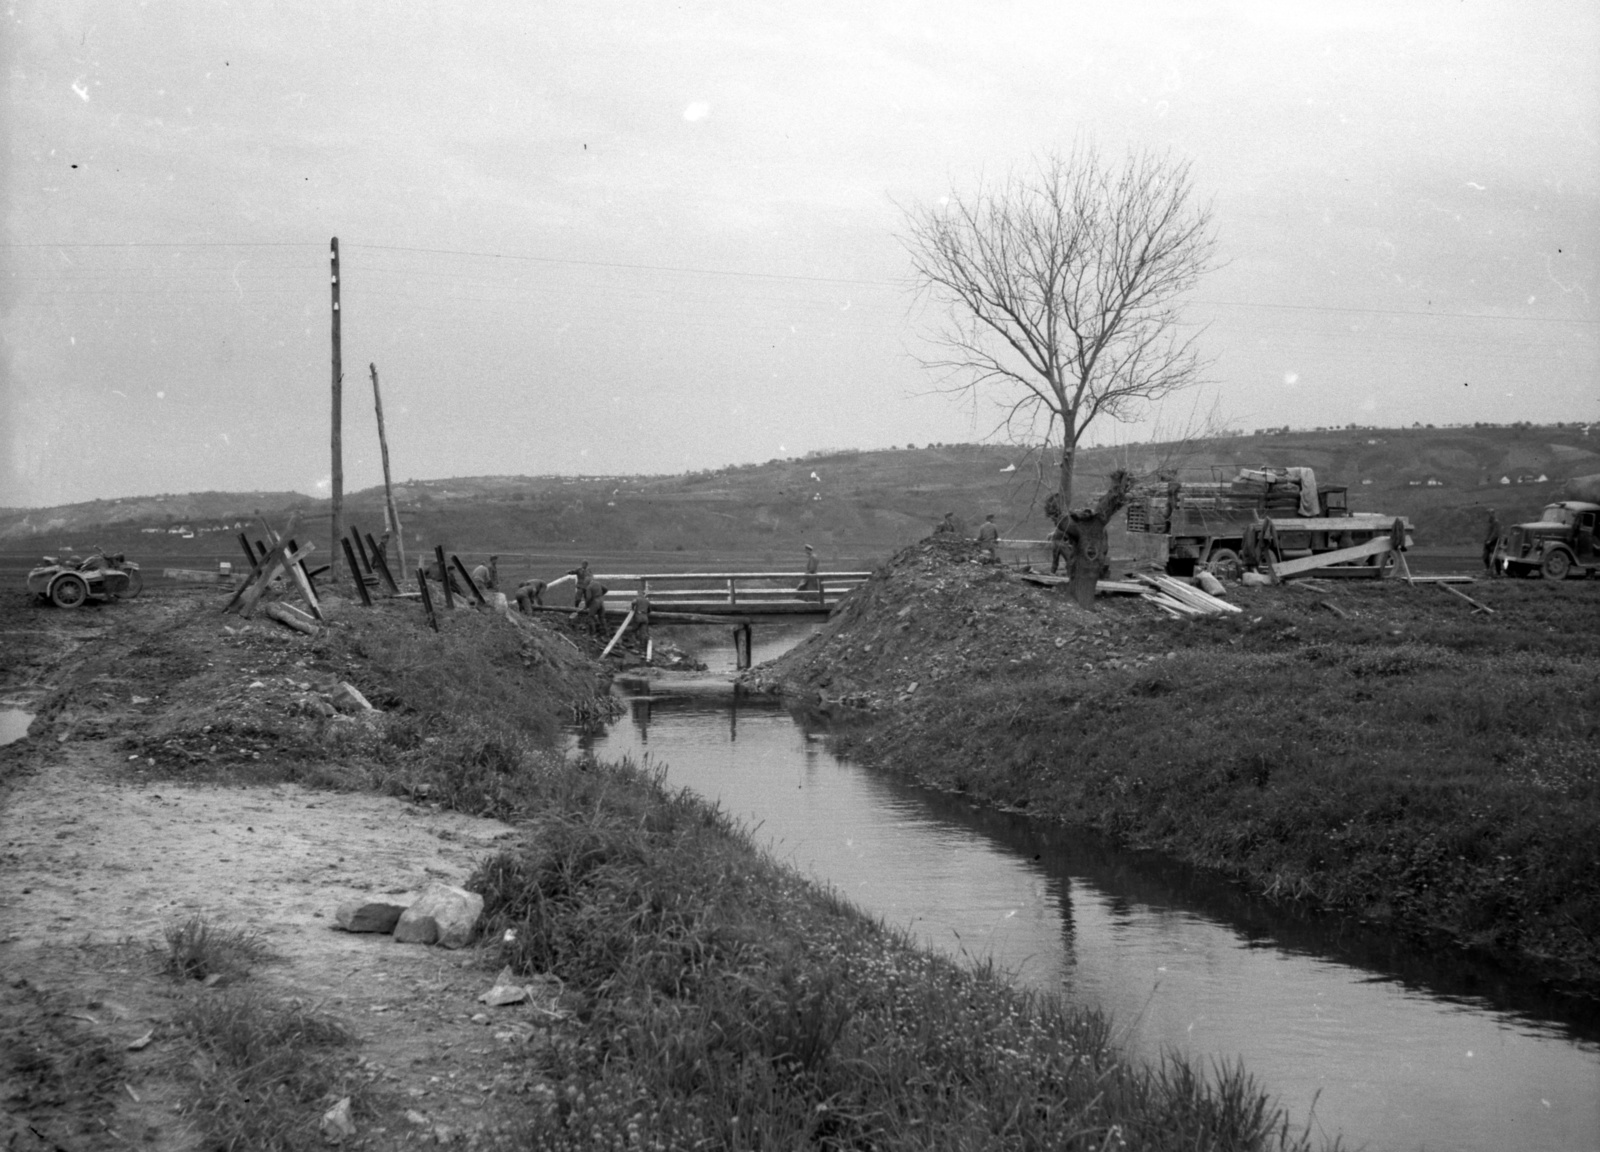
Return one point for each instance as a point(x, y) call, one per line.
point(442, 915)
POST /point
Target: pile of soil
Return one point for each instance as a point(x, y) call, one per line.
point(941, 611)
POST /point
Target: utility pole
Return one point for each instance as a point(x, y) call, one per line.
point(338, 420)
point(388, 489)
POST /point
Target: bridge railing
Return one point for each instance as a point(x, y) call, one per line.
point(670, 589)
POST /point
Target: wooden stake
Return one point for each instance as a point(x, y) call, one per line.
point(427, 600)
point(444, 577)
point(354, 536)
point(388, 489)
point(283, 614)
point(472, 585)
point(1476, 606)
point(361, 585)
point(383, 565)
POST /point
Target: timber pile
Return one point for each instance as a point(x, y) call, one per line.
point(1178, 599)
point(282, 557)
point(1174, 597)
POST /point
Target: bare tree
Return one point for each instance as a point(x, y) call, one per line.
point(1062, 287)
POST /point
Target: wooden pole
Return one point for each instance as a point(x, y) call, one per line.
point(388, 489)
point(444, 577)
point(337, 475)
point(360, 550)
point(355, 570)
point(427, 600)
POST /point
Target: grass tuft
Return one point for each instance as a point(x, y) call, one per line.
point(196, 949)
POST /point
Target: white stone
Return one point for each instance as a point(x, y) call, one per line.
point(442, 915)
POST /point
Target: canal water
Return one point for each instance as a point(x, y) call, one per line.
point(1350, 1030)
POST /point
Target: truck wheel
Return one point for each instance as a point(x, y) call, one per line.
point(1556, 566)
point(1225, 562)
point(69, 591)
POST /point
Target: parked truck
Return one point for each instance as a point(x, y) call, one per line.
point(1258, 515)
point(1565, 539)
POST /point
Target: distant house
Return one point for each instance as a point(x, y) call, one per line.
point(1543, 479)
point(1505, 479)
point(1413, 483)
point(1432, 483)
point(1366, 482)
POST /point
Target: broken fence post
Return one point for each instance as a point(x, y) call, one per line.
point(355, 571)
point(427, 600)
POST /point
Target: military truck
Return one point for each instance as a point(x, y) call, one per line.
point(1227, 523)
point(1560, 542)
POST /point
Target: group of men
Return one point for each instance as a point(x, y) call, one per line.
point(988, 532)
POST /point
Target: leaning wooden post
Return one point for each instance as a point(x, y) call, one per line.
point(337, 476)
point(355, 570)
point(472, 585)
point(388, 489)
point(444, 578)
point(383, 565)
point(354, 536)
point(626, 620)
point(427, 600)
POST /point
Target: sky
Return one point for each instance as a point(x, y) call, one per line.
point(644, 238)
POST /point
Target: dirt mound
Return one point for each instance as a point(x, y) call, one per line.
point(940, 611)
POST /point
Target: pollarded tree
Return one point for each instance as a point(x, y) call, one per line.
point(1062, 288)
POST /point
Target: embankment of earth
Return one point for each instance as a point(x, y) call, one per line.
point(709, 996)
point(1399, 756)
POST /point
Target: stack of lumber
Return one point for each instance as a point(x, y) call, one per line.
point(1179, 599)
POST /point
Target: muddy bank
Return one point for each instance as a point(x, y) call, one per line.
point(1410, 762)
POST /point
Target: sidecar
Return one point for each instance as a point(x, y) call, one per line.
point(67, 585)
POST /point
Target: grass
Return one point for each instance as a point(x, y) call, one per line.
point(726, 1003)
point(1414, 765)
point(196, 949)
point(267, 1070)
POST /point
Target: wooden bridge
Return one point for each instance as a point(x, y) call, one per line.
point(728, 597)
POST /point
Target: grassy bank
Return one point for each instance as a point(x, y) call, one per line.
point(709, 998)
point(717, 1000)
point(1409, 762)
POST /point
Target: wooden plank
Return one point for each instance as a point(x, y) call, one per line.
point(382, 563)
point(355, 570)
point(297, 571)
point(1476, 606)
point(427, 600)
point(1161, 599)
point(472, 585)
point(444, 577)
point(283, 614)
point(621, 628)
point(1286, 568)
point(1186, 594)
point(1372, 523)
point(276, 559)
point(666, 577)
point(256, 579)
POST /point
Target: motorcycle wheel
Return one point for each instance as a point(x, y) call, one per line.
point(69, 591)
point(135, 584)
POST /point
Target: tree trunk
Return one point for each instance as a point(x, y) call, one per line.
point(1091, 551)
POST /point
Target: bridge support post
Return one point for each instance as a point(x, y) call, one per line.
point(741, 647)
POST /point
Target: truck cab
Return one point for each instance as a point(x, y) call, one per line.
point(1561, 541)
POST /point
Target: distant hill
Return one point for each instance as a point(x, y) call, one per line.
point(855, 503)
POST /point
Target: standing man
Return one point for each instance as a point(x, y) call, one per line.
point(594, 606)
point(487, 578)
point(1491, 542)
point(989, 537)
point(581, 573)
point(640, 607)
point(811, 581)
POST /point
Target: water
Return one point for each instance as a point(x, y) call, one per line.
point(13, 725)
point(1397, 1050)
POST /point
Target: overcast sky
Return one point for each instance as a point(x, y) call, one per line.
point(638, 237)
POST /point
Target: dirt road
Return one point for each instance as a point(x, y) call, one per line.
point(101, 850)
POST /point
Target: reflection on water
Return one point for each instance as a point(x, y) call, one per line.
point(1397, 1050)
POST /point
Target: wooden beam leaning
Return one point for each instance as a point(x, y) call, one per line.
point(361, 585)
point(279, 557)
point(621, 629)
point(382, 564)
point(427, 600)
point(1283, 569)
point(444, 577)
point(1476, 606)
point(302, 578)
point(257, 567)
point(472, 585)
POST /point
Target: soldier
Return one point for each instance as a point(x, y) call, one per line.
point(989, 536)
point(487, 578)
point(581, 573)
point(1491, 542)
point(640, 607)
point(810, 582)
point(594, 605)
point(529, 593)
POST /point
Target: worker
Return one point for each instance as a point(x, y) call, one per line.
point(529, 593)
point(640, 607)
point(811, 582)
point(582, 576)
point(947, 526)
point(1061, 548)
point(989, 537)
point(1491, 543)
point(594, 606)
point(487, 576)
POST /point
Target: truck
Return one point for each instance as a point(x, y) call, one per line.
point(1259, 514)
point(1560, 542)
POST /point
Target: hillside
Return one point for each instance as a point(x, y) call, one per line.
point(859, 502)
